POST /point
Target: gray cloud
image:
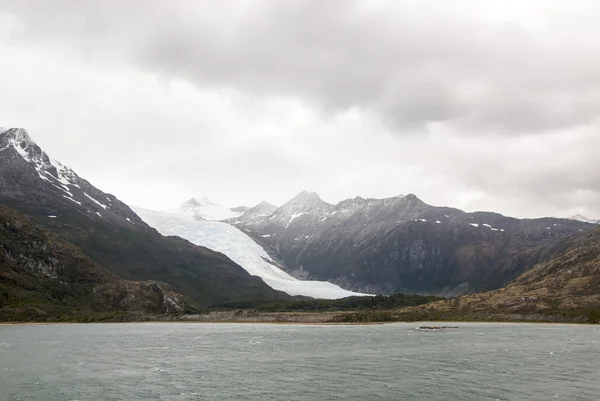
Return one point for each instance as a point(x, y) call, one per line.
point(412, 64)
point(453, 100)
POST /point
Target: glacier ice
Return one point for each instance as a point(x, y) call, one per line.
point(240, 248)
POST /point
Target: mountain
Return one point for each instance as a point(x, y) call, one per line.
point(110, 233)
point(43, 277)
point(256, 213)
point(579, 217)
point(402, 244)
point(565, 288)
point(205, 209)
point(225, 238)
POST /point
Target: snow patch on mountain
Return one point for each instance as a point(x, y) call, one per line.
point(95, 201)
point(240, 248)
point(579, 217)
point(48, 170)
point(294, 217)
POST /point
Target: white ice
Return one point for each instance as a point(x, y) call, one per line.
point(240, 248)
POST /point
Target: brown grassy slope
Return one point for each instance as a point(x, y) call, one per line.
point(568, 285)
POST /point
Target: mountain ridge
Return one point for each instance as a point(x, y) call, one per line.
point(401, 244)
point(579, 217)
point(110, 233)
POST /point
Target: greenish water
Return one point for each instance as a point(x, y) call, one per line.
point(183, 361)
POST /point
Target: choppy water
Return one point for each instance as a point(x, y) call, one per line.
point(184, 361)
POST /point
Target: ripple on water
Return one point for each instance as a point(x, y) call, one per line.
point(258, 362)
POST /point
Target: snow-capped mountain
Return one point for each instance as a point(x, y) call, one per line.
point(584, 219)
point(205, 209)
point(20, 153)
point(238, 246)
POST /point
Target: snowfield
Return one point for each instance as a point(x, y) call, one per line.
point(240, 248)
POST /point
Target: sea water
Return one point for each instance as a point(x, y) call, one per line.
point(189, 361)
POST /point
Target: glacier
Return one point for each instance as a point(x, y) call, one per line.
point(240, 248)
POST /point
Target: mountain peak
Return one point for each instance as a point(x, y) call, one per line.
point(579, 217)
point(192, 202)
point(265, 204)
point(306, 196)
point(259, 211)
point(412, 199)
point(20, 140)
point(195, 203)
point(205, 209)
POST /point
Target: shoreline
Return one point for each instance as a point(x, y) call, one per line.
point(416, 323)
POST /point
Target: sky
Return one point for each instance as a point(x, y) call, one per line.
point(480, 105)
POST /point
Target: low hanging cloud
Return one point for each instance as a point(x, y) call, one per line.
point(471, 104)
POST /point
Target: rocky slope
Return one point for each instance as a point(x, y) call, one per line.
point(43, 277)
point(402, 244)
point(110, 233)
point(567, 285)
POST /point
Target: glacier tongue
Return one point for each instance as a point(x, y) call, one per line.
point(240, 248)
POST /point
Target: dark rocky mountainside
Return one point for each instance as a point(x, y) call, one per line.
point(110, 233)
point(568, 286)
point(402, 244)
point(43, 277)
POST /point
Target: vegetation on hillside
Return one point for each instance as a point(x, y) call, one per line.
point(368, 303)
point(44, 278)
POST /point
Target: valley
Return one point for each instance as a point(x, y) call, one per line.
point(328, 262)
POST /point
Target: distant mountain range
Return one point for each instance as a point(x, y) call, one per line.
point(391, 245)
point(401, 244)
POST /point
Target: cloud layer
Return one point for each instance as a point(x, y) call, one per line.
point(476, 105)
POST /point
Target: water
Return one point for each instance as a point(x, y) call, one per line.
point(184, 361)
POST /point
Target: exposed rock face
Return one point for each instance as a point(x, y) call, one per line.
point(402, 244)
point(110, 233)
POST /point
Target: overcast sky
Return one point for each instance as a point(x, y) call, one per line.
point(480, 105)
